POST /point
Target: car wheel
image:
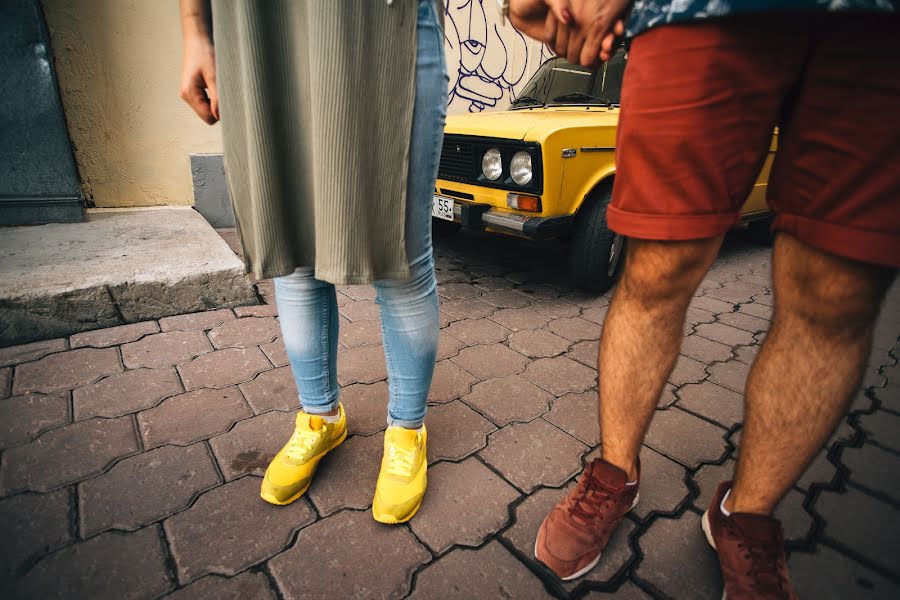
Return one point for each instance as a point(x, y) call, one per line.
point(761, 231)
point(595, 254)
point(442, 229)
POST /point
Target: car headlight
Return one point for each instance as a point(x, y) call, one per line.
point(492, 164)
point(520, 168)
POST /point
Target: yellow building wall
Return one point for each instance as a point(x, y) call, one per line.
point(119, 66)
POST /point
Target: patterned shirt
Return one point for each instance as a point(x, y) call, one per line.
point(651, 13)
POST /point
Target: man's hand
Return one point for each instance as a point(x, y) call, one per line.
point(198, 70)
point(530, 17)
point(595, 27)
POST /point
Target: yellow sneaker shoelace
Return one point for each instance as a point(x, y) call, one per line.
point(401, 461)
point(302, 443)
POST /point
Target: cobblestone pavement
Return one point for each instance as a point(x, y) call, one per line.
point(131, 456)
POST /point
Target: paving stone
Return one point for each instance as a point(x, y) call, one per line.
point(626, 591)
point(220, 532)
point(828, 575)
point(241, 333)
point(595, 314)
point(760, 311)
point(821, 471)
point(696, 316)
point(366, 407)
point(192, 416)
point(708, 478)
point(725, 334)
point(532, 512)
point(471, 308)
point(23, 418)
point(111, 565)
point(360, 292)
point(246, 586)
point(458, 291)
point(667, 396)
point(493, 283)
point(156, 484)
point(125, 393)
point(744, 321)
point(704, 350)
point(448, 346)
point(276, 353)
point(489, 572)
point(360, 333)
point(533, 454)
point(874, 469)
point(713, 402)
point(539, 343)
point(556, 308)
point(863, 523)
point(66, 370)
point(31, 525)
point(492, 360)
point(678, 561)
point(364, 364)
point(519, 319)
point(455, 431)
point(450, 381)
point(165, 349)
point(67, 454)
point(272, 390)
point(882, 428)
point(196, 321)
point(507, 399)
point(251, 444)
point(478, 331)
point(575, 329)
point(586, 353)
point(576, 414)
point(223, 367)
point(454, 490)
point(736, 292)
point(363, 310)
point(765, 299)
point(732, 375)
point(5, 382)
point(266, 289)
point(713, 305)
point(662, 485)
point(506, 298)
point(889, 396)
point(540, 291)
point(685, 438)
point(746, 354)
point(561, 375)
point(260, 310)
point(353, 569)
point(113, 336)
point(14, 355)
point(346, 476)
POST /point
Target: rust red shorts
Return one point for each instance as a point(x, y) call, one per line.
point(700, 102)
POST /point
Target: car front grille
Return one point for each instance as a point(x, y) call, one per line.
point(456, 160)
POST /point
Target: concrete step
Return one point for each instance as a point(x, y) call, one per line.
point(118, 266)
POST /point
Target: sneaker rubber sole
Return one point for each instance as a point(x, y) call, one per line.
point(273, 500)
point(389, 520)
point(582, 572)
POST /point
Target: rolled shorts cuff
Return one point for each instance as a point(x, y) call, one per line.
point(849, 242)
point(392, 422)
point(650, 226)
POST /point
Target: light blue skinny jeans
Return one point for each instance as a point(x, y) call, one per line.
point(308, 308)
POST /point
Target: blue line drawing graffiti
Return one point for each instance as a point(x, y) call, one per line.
point(490, 59)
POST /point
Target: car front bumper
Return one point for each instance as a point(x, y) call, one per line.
point(484, 216)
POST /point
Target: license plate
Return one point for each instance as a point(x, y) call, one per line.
point(442, 208)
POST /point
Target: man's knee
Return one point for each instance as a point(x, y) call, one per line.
point(838, 295)
point(665, 272)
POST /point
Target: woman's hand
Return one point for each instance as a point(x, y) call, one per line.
point(198, 70)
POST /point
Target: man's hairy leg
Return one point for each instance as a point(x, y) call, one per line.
point(807, 370)
point(642, 337)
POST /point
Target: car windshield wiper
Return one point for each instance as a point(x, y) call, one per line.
point(527, 101)
point(579, 98)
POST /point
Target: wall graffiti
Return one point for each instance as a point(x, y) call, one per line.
point(488, 62)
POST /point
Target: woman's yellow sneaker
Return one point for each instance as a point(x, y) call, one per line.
point(402, 481)
point(290, 472)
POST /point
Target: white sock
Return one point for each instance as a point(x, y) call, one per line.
point(631, 482)
point(724, 510)
point(331, 418)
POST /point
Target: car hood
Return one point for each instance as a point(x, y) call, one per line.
point(535, 124)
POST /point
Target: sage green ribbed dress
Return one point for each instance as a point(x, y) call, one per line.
point(316, 100)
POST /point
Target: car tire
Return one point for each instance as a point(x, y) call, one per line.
point(595, 254)
point(761, 231)
point(443, 229)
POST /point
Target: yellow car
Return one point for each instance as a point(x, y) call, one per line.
point(544, 168)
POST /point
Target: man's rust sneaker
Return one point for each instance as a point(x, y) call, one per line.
point(575, 533)
point(751, 552)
